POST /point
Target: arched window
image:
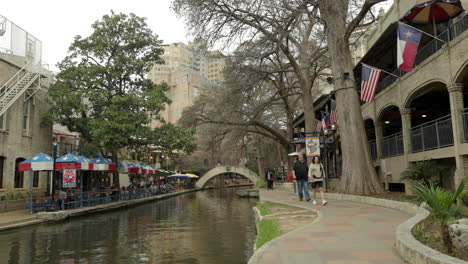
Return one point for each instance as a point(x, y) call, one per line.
point(19, 175)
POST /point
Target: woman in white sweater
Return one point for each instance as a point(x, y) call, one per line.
point(316, 177)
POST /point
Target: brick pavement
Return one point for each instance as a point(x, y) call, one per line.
point(344, 233)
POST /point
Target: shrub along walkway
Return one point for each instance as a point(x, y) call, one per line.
point(345, 232)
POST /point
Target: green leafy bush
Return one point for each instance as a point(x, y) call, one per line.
point(422, 171)
point(441, 204)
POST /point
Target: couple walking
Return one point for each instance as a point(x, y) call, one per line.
point(304, 174)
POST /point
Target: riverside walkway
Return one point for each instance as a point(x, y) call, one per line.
point(344, 233)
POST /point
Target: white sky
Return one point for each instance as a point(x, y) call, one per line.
point(57, 22)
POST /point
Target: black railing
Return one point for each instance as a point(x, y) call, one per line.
point(432, 135)
point(392, 146)
point(465, 125)
point(373, 149)
point(428, 50)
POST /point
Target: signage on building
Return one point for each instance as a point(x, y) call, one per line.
point(313, 146)
point(69, 178)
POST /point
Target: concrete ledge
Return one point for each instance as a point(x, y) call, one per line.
point(61, 215)
point(409, 248)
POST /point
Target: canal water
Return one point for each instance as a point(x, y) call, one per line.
point(211, 226)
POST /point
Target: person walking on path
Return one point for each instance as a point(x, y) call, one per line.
point(270, 178)
point(300, 175)
point(316, 176)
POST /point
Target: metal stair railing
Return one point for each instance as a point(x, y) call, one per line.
point(16, 86)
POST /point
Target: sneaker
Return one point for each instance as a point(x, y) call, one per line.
point(314, 202)
point(308, 199)
point(324, 203)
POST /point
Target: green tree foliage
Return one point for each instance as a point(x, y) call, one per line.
point(441, 204)
point(102, 91)
point(170, 137)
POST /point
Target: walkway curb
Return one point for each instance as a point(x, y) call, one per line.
point(258, 252)
point(409, 248)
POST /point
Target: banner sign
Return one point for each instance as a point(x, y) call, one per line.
point(69, 178)
point(313, 146)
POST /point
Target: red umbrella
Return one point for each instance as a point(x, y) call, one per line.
point(433, 11)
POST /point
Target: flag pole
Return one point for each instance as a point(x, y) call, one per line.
point(432, 36)
point(380, 70)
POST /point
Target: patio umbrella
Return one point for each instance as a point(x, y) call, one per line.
point(112, 165)
point(192, 175)
point(150, 169)
point(100, 164)
point(132, 168)
point(38, 162)
point(433, 11)
point(86, 164)
point(68, 161)
point(178, 176)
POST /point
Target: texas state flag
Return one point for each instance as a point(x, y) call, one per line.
point(408, 42)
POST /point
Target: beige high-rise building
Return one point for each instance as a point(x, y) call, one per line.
point(186, 72)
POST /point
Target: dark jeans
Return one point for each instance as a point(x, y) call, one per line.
point(270, 185)
point(303, 188)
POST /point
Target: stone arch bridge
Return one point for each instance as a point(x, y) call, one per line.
point(227, 169)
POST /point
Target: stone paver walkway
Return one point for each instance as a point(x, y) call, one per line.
point(345, 233)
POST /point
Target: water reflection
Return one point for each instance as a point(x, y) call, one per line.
point(204, 227)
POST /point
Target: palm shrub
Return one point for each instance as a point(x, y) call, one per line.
point(441, 204)
point(422, 171)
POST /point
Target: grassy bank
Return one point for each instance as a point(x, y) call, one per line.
point(269, 229)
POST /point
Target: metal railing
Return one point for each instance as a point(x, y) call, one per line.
point(93, 198)
point(392, 145)
point(432, 135)
point(65, 148)
point(373, 149)
point(465, 125)
point(428, 50)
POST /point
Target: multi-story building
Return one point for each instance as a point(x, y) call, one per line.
point(186, 72)
point(422, 114)
point(23, 84)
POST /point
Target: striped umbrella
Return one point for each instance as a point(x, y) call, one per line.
point(38, 162)
point(433, 11)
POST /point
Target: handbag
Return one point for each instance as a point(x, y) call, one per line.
point(321, 174)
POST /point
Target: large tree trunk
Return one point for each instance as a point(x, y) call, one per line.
point(309, 114)
point(359, 176)
point(115, 174)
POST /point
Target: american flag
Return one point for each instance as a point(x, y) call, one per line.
point(333, 112)
point(369, 80)
point(318, 127)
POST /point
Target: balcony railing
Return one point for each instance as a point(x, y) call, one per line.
point(465, 125)
point(392, 146)
point(373, 149)
point(425, 52)
point(432, 135)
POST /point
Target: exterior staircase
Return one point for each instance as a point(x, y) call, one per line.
point(25, 80)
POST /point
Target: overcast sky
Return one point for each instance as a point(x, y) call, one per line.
point(57, 22)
